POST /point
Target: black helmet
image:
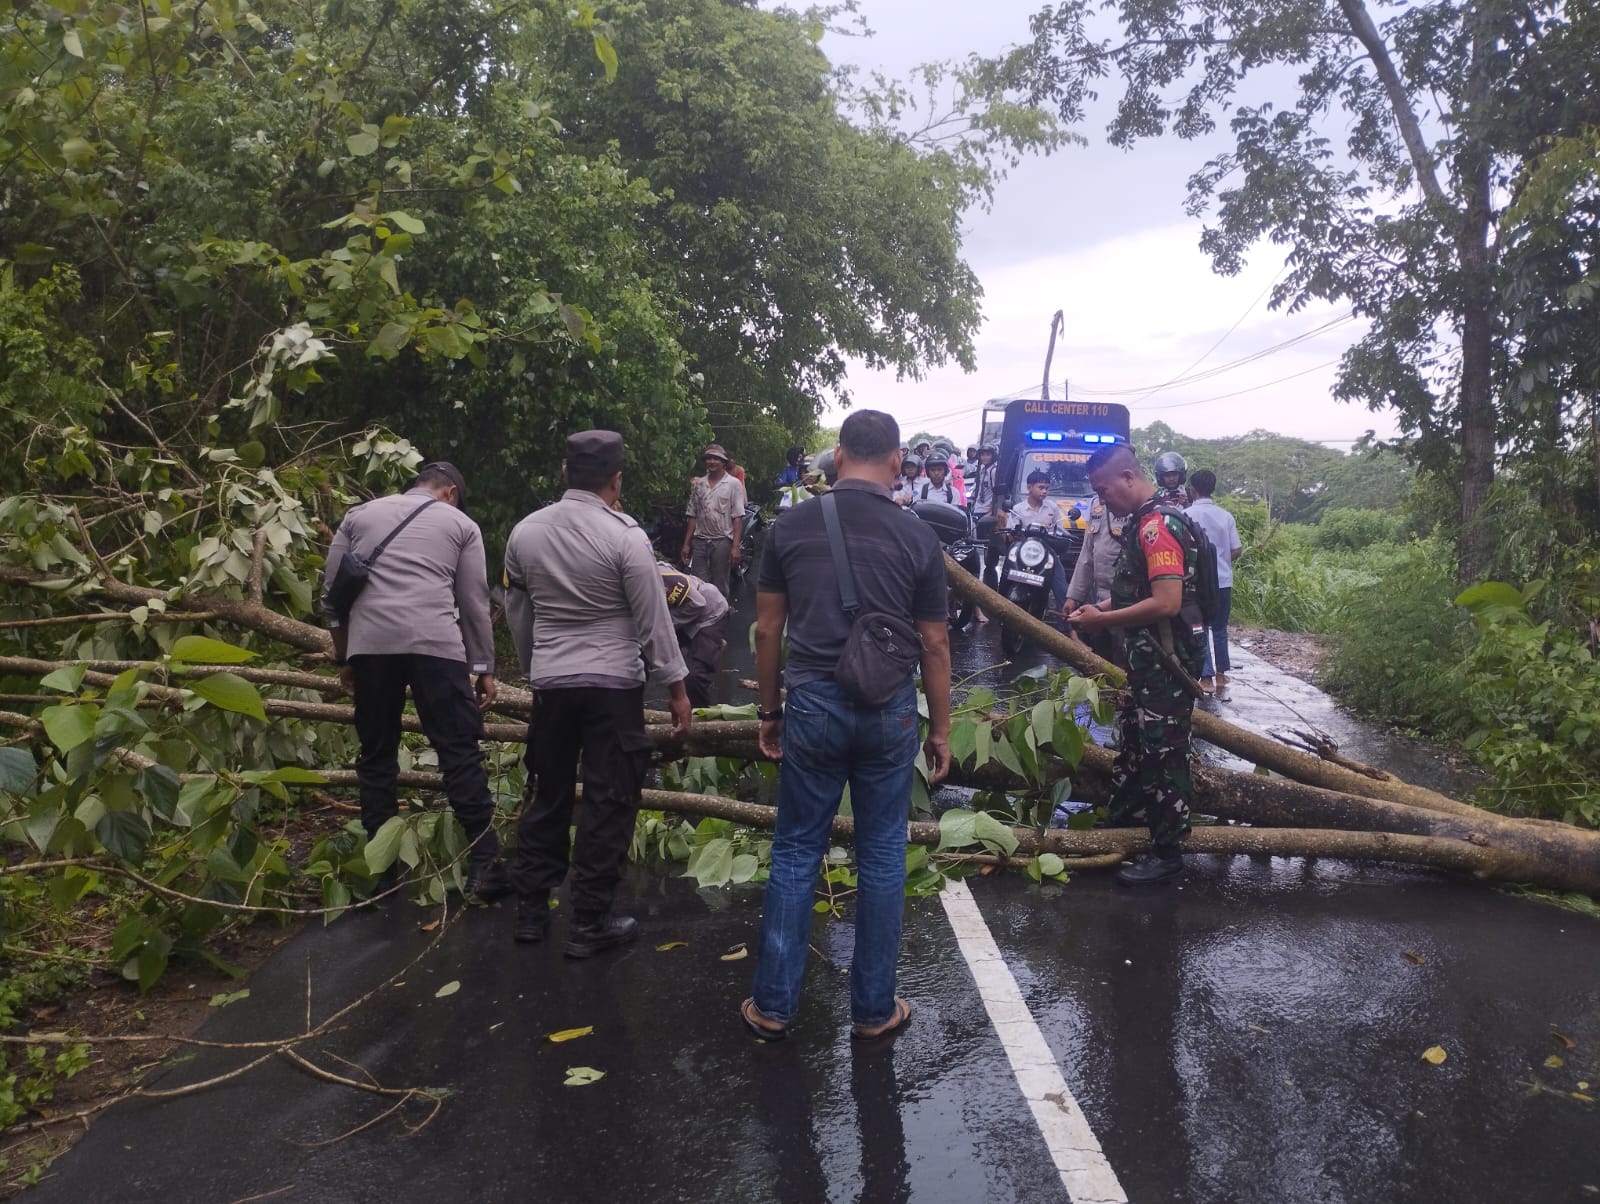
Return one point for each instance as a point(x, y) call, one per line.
point(1168, 462)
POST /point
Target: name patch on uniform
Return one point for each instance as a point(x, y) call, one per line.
point(1164, 559)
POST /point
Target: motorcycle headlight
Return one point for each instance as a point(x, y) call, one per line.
point(1031, 554)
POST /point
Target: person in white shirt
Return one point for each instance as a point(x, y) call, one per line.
point(935, 487)
point(1223, 532)
point(900, 488)
point(1037, 510)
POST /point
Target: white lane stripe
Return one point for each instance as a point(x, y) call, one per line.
point(1087, 1175)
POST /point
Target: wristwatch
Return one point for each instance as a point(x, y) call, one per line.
point(769, 716)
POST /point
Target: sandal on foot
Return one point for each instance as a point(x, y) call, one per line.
point(761, 1032)
point(902, 1017)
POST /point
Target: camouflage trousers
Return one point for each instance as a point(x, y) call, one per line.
point(1150, 782)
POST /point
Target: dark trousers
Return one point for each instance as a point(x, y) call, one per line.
point(606, 728)
point(700, 653)
point(452, 722)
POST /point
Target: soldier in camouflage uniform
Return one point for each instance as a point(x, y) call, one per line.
point(1151, 588)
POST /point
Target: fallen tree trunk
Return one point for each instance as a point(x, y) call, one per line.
point(1252, 746)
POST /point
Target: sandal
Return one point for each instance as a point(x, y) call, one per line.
point(902, 1017)
point(761, 1032)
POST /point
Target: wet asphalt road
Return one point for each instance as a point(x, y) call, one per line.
point(1254, 1036)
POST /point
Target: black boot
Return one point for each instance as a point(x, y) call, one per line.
point(1156, 866)
point(487, 880)
point(533, 919)
point(595, 934)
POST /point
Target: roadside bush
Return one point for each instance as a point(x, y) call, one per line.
point(1398, 642)
point(1533, 696)
point(1351, 530)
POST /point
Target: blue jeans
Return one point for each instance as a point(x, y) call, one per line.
point(1218, 633)
point(829, 740)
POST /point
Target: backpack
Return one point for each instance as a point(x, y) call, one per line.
point(1202, 588)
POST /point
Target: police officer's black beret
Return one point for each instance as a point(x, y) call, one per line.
point(601, 450)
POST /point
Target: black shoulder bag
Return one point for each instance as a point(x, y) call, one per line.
point(353, 572)
point(882, 649)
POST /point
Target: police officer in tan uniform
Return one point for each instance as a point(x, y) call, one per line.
point(1091, 579)
point(590, 619)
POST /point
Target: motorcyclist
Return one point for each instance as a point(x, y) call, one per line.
point(900, 488)
point(1171, 471)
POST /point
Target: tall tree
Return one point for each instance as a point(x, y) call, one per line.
point(1383, 169)
point(808, 219)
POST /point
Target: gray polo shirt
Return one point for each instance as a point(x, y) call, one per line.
point(895, 559)
point(584, 599)
point(428, 595)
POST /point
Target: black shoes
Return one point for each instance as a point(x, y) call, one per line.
point(487, 880)
point(533, 920)
point(591, 935)
point(1156, 866)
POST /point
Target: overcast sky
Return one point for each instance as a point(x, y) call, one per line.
point(1101, 234)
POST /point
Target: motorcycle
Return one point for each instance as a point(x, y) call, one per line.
point(1025, 574)
point(954, 527)
point(753, 524)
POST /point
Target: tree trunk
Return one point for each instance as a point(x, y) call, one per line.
point(1476, 405)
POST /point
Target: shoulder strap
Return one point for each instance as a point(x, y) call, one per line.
point(841, 561)
point(404, 523)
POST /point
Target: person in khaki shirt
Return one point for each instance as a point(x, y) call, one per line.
point(589, 615)
point(1091, 579)
point(716, 522)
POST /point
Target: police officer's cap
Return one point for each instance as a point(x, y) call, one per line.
point(598, 450)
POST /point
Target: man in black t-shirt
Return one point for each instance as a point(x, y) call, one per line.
point(826, 739)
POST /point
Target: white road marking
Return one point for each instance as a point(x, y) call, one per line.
point(1086, 1174)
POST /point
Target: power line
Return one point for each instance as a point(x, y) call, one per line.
point(1229, 332)
point(1183, 405)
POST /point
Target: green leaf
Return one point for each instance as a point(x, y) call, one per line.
point(66, 680)
point(1043, 719)
point(223, 999)
point(714, 865)
point(1049, 864)
point(983, 743)
point(231, 693)
point(159, 786)
point(197, 649)
point(1007, 756)
point(994, 834)
point(124, 834)
point(1490, 594)
point(406, 222)
point(603, 50)
point(384, 846)
point(293, 775)
point(17, 771)
point(363, 144)
point(70, 724)
point(449, 989)
point(957, 829)
point(582, 1076)
point(73, 43)
point(745, 866)
point(963, 740)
